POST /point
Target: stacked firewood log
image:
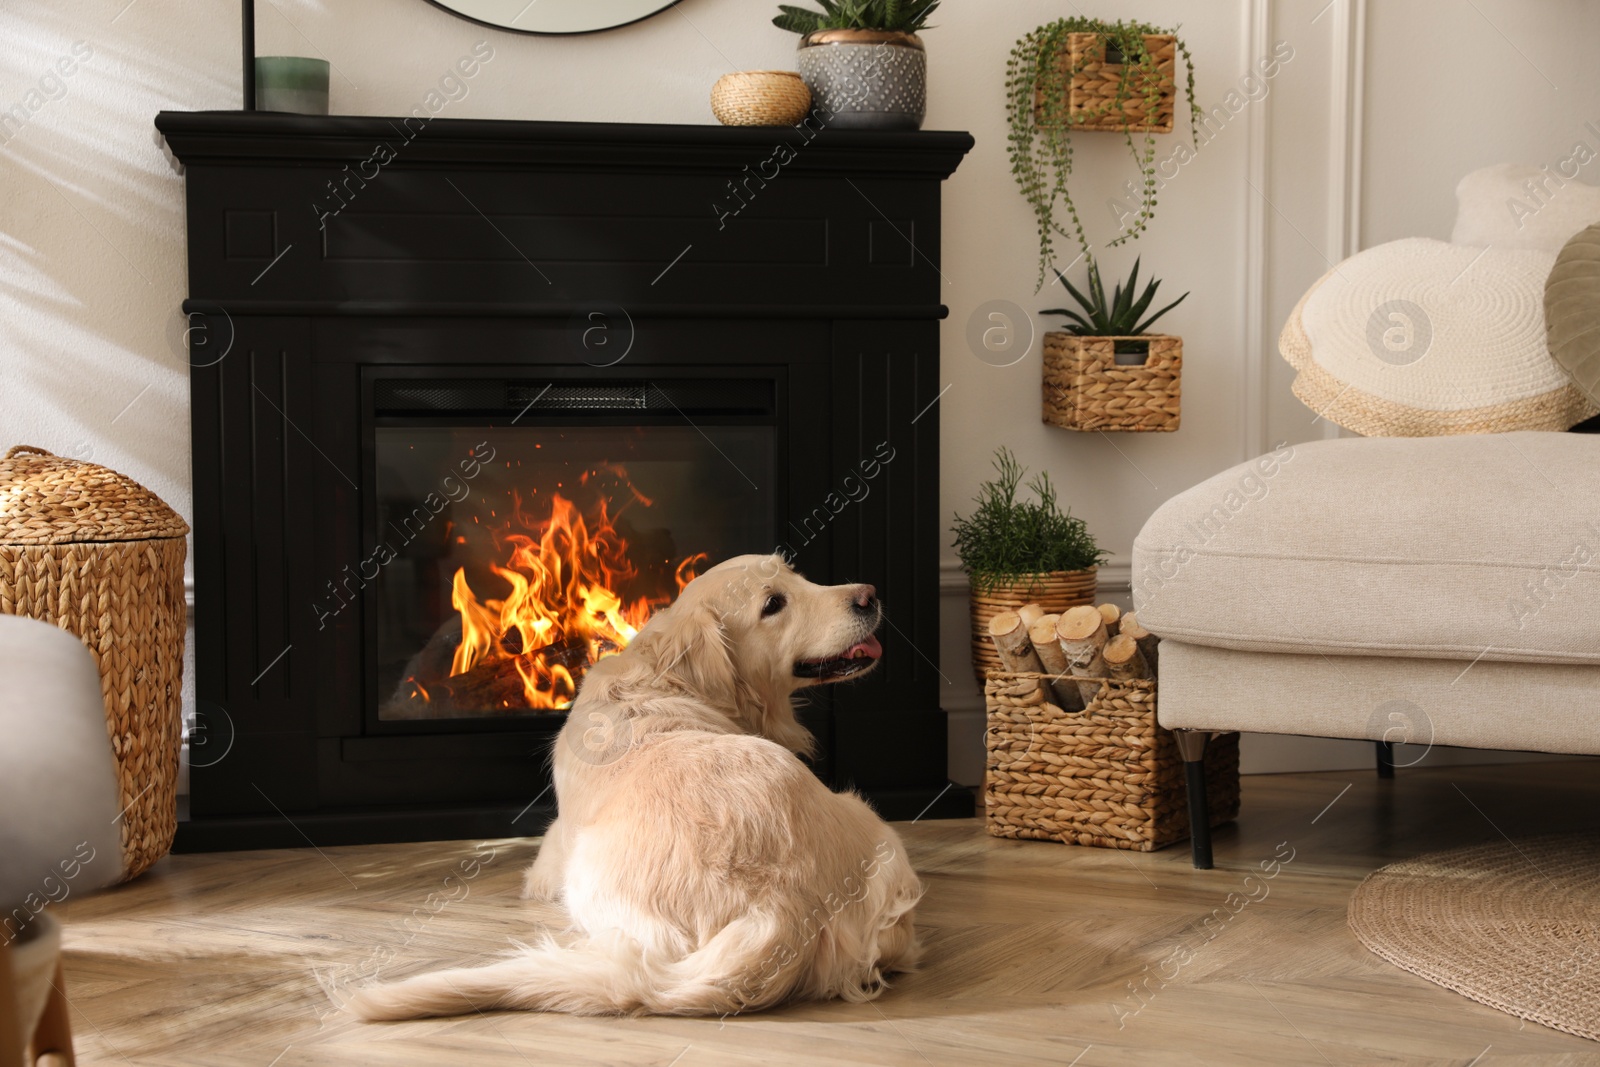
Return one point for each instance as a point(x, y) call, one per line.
point(1078, 649)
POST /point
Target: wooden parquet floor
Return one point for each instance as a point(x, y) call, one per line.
point(1038, 953)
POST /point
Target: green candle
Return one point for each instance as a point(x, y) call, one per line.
point(292, 83)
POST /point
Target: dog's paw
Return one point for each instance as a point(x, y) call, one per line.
point(537, 886)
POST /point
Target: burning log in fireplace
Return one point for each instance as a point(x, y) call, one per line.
point(430, 691)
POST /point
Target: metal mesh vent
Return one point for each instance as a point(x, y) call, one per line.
point(493, 396)
point(592, 397)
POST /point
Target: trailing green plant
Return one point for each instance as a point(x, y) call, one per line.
point(1006, 539)
point(1121, 316)
point(1038, 76)
point(901, 16)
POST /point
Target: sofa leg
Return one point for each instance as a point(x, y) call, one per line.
point(1192, 747)
point(52, 1039)
point(1385, 759)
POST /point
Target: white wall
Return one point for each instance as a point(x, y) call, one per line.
point(91, 227)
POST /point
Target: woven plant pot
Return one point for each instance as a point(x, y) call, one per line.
point(760, 98)
point(1055, 591)
point(1092, 93)
point(1086, 389)
point(101, 556)
point(1107, 776)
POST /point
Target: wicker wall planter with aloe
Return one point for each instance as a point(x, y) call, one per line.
point(1105, 371)
point(101, 556)
point(1087, 387)
point(1108, 776)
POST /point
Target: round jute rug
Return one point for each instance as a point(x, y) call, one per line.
point(1515, 926)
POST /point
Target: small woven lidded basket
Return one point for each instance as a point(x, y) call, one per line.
point(1092, 93)
point(1108, 776)
point(1086, 389)
point(101, 556)
point(760, 98)
point(1054, 591)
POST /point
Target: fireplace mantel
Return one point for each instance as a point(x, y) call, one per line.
point(326, 253)
point(839, 224)
point(234, 137)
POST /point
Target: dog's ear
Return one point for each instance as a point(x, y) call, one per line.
point(687, 648)
point(690, 651)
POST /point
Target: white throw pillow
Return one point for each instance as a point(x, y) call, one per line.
point(1516, 205)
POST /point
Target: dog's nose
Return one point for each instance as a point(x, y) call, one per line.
point(866, 598)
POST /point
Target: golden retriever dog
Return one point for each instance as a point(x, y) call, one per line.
point(705, 869)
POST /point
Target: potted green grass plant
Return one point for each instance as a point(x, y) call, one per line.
point(863, 61)
point(1019, 551)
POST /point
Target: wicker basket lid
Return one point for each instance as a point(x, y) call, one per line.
point(47, 499)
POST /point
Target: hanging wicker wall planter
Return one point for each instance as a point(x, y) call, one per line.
point(1089, 385)
point(100, 556)
point(1055, 591)
point(1093, 91)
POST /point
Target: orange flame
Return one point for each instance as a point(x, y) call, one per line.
point(564, 611)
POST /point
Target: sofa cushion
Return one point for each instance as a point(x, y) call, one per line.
point(1418, 702)
point(1518, 205)
point(1465, 547)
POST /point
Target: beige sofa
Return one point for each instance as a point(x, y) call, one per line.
point(1429, 590)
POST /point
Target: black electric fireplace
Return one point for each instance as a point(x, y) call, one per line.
point(463, 421)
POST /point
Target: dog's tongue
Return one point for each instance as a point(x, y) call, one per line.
point(868, 648)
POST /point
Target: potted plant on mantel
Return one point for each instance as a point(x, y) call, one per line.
point(1104, 371)
point(863, 60)
point(1018, 552)
point(1087, 74)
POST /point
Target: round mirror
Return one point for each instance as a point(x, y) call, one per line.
point(554, 16)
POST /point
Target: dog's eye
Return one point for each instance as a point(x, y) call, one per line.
point(773, 605)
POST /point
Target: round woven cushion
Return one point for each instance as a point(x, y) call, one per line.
point(1420, 337)
point(1572, 311)
point(1515, 926)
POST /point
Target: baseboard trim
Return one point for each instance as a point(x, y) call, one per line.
point(238, 833)
point(1115, 578)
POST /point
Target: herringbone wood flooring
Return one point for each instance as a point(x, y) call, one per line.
point(1038, 953)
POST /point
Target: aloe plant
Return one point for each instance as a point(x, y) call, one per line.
point(901, 16)
point(1121, 316)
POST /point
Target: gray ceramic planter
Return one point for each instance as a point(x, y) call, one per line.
point(866, 79)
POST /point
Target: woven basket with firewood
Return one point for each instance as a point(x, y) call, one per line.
point(1075, 753)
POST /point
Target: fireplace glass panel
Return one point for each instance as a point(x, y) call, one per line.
point(522, 555)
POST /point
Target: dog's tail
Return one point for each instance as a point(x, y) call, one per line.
point(744, 967)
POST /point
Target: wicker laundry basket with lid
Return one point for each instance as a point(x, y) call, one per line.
point(101, 556)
